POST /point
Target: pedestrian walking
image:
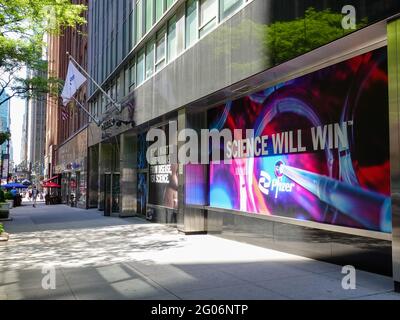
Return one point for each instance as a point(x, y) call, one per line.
point(34, 195)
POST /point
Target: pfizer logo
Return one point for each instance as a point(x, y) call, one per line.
point(264, 183)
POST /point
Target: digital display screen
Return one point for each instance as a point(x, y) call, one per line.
point(320, 148)
point(196, 185)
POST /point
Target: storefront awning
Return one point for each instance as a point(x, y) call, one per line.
point(51, 185)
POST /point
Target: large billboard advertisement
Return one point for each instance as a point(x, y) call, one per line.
point(163, 175)
point(319, 150)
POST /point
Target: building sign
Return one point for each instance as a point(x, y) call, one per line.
point(320, 150)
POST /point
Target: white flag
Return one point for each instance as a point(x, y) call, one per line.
point(74, 81)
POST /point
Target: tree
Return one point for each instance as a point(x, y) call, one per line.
point(4, 136)
point(289, 39)
point(279, 41)
point(23, 24)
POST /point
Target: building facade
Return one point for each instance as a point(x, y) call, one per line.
point(36, 135)
point(5, 121)
point(66, 146)
point(53, 110)
point(6, 148)
point(24, 139)
point(311, 80)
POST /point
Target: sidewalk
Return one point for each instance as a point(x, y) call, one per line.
point(99, 257)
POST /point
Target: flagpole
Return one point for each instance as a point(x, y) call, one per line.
point(101, 89)
point(87, 112)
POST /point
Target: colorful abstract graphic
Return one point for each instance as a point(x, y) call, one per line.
point(340, 185)
point(196, 185)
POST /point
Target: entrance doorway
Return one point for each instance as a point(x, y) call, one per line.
point(111, 193)
point(115, 193)
point(107, 195)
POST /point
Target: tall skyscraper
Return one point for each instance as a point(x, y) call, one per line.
point(5, 148)
point(36, 134)
point(24, 140)
point(4, 118)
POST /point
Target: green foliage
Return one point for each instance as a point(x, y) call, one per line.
point(289, 39)
point(1, 228)
point(279, 41)
point(23, 24)
point(2, 197)
point(8, 196)
point(4, 136)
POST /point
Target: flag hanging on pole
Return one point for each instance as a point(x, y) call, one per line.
point(74, 81)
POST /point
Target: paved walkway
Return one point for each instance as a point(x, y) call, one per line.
point(108, 258)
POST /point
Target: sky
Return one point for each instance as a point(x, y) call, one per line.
point(17, 110)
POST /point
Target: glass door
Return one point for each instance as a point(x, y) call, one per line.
point(77, 189)
point(107, 195)
point(115, 193)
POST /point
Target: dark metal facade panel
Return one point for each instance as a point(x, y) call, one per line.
point(343, 249)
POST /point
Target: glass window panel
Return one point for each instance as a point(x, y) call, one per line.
point(160, 50)
point(208, 11)
point(159, 8)
point(229, 6)
point(169, 3)
point(160, 65)
point(161, 47)
point(206, 28)
point(132, 76)
point(140, 68)
point(131, 34)
point(191, 22)
point(139, 20)
point(149, 14)
point(127, 81)
point(172, 43)
point(150, 59)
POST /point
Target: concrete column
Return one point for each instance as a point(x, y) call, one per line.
point(105, 165)
point(394, 123)
point(93, 177)
point(128, 175)
point(191, 220)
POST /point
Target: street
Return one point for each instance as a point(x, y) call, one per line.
point(97, 257)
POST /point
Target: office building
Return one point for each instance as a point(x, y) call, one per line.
point(66, 140)
point(316, 83)
point(5, 122)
